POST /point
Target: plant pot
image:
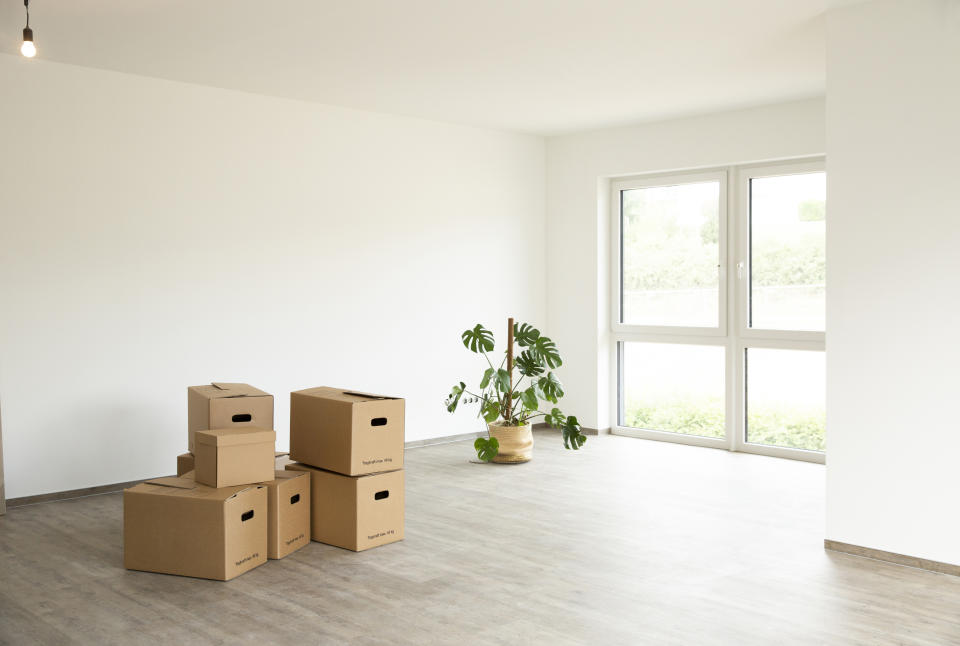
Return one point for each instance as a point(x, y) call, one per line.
point(516, 443)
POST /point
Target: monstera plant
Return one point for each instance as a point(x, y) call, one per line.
point(507, 403)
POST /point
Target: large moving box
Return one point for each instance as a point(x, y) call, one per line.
point(347, 432)
point(176, 526)
point(222, 405)
point(185, 463)
point(288, 512)
point(234, 456)
point(355, 512)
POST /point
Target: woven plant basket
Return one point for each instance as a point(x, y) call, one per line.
point(516, 443)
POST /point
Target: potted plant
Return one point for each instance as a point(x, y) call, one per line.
point(507, 404)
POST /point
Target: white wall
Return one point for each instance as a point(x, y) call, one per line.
point(578, 262)
point(893, 304)
point(155, 235)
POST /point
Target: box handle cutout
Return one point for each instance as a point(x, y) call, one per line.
point(245, 516)
point(294, 499)
point(378, 421)
point(242, 417)
point(380, 495)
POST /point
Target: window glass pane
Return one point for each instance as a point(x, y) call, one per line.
point(787, 252)
point(672, 387)
point(671, 255)
point(786, 398)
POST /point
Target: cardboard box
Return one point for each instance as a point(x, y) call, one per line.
point(184, 463)
point(288, 512)
point(347, 432)
point(222, 405)
point(355, 512)
point(229, 457)
point(176, 526)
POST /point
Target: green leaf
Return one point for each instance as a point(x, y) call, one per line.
point(546, 350)
point(487, 448)
point(551, 387)
point(573, 438)
point(555, 418)
point(502, 380)
point(525, 334)
point(479, 339)
point(455, 394)
point(529, 398)
point(490, 411)
point(487, 374)
point(529, 365)
point(537, 390)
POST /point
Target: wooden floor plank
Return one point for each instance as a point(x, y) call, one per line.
point(625, 542)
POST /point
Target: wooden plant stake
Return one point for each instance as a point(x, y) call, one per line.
point(509, 414)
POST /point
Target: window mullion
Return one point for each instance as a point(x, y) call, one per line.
point(733, 330)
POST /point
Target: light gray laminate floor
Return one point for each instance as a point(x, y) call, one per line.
point(624, 542)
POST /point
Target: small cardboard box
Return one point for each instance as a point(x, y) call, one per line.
point(347, 432)
point(222, 405)
point(184, 463)
point(288, 513)
point(355, 512)
point(176, 526)
point(229, 457)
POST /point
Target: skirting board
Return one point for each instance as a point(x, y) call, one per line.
point(120, 486)
point(892, 557)
point(67, 495)
point(443, 440)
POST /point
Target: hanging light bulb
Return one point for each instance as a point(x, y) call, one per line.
point(28, 49)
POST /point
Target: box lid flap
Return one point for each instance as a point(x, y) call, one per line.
point(236, 491)
point(223, 389)
point(365, 396)
point(222, 493)
point(235, 436)
point(188, 488)
point(344, 395)
point(175, 482)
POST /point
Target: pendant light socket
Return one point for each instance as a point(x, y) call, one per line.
point(28, 49)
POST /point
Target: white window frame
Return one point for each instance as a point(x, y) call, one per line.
point(744, 174)
point(673, 179)
point(732, 332)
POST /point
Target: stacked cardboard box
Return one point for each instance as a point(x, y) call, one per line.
point(176, 526)
point(222, 405)
point(228, 510)
point(351, 444)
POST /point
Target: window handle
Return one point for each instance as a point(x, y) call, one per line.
point(740, 270)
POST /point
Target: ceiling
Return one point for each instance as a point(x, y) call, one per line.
point(537, 66)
